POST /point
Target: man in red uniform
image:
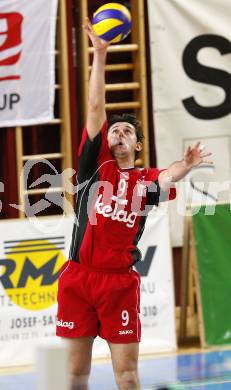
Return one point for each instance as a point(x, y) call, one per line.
point(99, 292)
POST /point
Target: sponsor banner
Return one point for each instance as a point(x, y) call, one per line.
point(157, 286)
point(27, 59)
point(191, 76)
point(29, 268)
point(32, 253)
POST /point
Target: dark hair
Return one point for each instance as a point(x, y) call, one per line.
point(130, 118)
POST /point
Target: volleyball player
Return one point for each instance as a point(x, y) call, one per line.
point(99, 291)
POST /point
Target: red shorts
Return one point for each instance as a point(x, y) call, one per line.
point(93, 302)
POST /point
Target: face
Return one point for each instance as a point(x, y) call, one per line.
point(122, 140)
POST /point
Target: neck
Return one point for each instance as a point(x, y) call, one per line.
point(124, 163)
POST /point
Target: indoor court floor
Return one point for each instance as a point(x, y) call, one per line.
point(207, 370)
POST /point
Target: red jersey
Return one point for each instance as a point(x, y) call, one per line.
point(112, 206)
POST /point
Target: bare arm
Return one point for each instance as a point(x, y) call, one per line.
point(96, 114)
point(193, 157)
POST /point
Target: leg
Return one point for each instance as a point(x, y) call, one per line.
point(125, 362)
point(80, 353)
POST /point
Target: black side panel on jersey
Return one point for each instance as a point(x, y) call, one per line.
point(87, 175)
point(88, 158)
point(83, 206)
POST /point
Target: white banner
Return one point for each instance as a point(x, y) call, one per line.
point(157, 287)
point(27, 61)
point(32, 253)
point(191, 75)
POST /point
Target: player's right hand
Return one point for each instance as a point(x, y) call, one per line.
point(97, 43)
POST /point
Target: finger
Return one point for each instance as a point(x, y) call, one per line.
point(87, 24)
point(197, 145)
point(207, 162)
point(187, 150)
point(201, 148)
point(206, 154)
point(86, 20)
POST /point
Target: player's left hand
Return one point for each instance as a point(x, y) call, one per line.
point(196, 155)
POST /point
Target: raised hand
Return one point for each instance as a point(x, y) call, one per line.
point(196, 155)
point(97, 43)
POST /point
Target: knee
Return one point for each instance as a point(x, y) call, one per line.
point(79, 382)
point(79, 378)
point(127, 380)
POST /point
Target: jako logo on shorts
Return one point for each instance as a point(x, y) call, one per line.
point(65, 324)
point(30, 272)
point(125, 331)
